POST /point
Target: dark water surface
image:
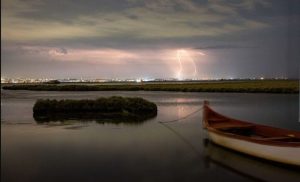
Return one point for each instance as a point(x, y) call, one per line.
point(89, 151)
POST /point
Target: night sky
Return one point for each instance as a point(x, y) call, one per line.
point(150, 39)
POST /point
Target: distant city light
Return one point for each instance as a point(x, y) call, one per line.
point(137, 80)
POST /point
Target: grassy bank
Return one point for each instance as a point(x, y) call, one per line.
point(257, 86)
point(113, 109)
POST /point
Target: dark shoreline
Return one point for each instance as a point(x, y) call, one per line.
point(255, 86)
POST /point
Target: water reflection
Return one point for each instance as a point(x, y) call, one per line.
point(182, 110)
point(91, 150)
point(68, 118)
point(248, 166)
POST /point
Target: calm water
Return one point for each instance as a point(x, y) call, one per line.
point(147, 152)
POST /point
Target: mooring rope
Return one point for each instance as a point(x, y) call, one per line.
point(164, 123)
point(186, 141)
point(184, 117)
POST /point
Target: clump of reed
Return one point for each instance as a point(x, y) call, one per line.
point(115, 107)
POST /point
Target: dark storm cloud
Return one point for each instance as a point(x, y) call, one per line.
point(68, 10)
point(62, 51)
point(138, 20)
point(225, 47)
point(265, 32)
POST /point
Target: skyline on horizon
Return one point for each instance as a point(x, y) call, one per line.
point(150, 39)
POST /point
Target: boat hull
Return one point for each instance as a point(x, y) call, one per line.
point(257, 170)
point(282, 154)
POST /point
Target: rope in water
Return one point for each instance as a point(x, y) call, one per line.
point(184, 117)
point(186, 141)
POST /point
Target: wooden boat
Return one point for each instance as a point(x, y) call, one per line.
point(279, 145)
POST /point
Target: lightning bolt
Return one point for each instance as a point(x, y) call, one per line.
point(179, 56)
point(180, 63)
point(195, 68)
point(194, 64)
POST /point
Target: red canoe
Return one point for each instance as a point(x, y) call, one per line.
point(262, 141)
